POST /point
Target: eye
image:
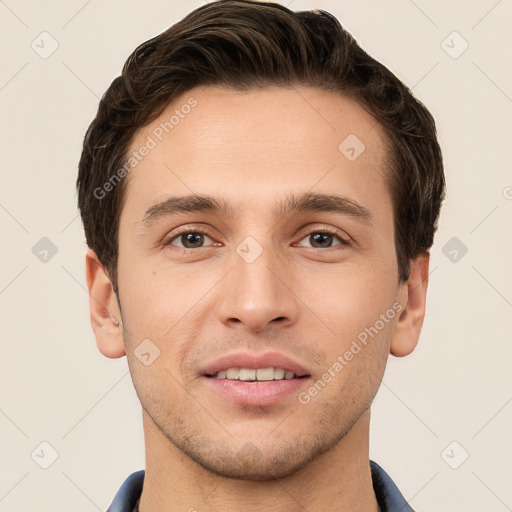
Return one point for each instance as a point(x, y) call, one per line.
point(189, 239)
point(319, 239)
point(323, 239)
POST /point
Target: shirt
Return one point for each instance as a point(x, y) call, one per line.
point(388, 496)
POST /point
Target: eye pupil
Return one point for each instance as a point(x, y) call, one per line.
point(321, 238)
point(192, 238)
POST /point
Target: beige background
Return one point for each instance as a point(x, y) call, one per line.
point(57, 388)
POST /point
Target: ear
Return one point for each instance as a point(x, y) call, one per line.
point(412, 297)
point(104, 309)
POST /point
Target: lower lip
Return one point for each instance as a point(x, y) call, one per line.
point(256, 393)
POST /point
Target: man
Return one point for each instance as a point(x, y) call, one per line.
point(259, 197)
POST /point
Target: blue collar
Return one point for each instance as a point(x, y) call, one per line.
point(388, 496)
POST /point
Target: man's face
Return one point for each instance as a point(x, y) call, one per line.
point(257, 280)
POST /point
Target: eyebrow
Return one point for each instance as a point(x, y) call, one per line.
point(292, 203)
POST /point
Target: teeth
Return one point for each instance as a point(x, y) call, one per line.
point(261, 374)
point(265, 374)
point(232, 373)
point(279, 373)
point(246, 374)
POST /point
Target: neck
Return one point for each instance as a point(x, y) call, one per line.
point(339, 479)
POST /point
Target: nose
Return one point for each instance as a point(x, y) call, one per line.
point(258, 294)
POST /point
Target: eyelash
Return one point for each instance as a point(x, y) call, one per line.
point(343, 241)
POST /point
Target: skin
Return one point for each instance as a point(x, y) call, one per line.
point(307, 301)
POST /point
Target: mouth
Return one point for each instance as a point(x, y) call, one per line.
point(256, 374)
point(255, 379)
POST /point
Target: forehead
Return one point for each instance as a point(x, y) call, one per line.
point(259, 144)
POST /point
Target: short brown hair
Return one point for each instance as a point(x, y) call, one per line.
point(244, 45)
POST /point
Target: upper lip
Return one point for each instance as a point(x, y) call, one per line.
point(255, 361)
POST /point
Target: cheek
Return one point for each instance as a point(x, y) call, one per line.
point(165, 305)
point(357, 318)
point(150, 300)
point(346, 302)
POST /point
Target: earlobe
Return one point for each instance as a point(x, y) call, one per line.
point(104, 309)
point(412, 297)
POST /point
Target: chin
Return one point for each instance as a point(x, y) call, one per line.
point(262, 470)
point(249, 463)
